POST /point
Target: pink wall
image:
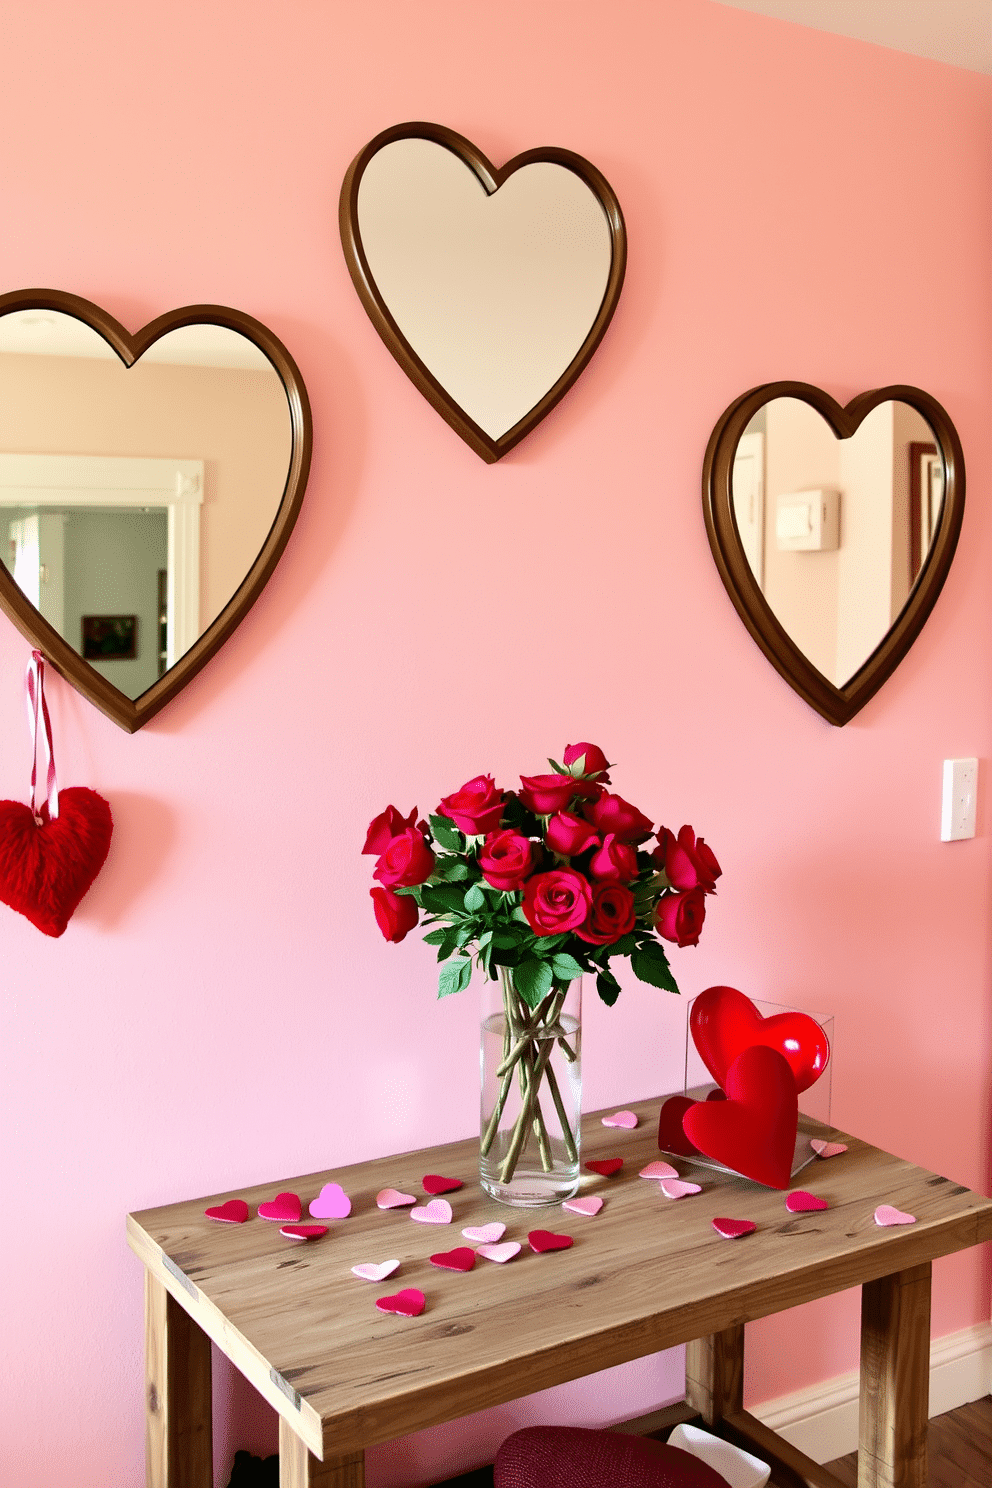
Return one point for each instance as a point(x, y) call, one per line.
point(222, 1008)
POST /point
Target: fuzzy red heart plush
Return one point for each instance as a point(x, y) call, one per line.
point(724, 1023)
point(46, 869)
point(754, 1130)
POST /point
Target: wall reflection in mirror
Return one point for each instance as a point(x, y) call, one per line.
point(837, 531)
point(134, 501)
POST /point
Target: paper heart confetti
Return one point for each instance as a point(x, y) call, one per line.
point(284, 1209)
point(501, 1253)
point(671, 1133)
point(801, 1202)
point(626, 1120)
point(589, 1206)
point(408, 1303)
point(674, 1188)
point(435, 1184)
point(391, 1198)
point(885, 1214)
point(827, 1149)
point(235, 1211)
point(462, 1258)
point(542, 1240)
point(607, 1166)
point(369, 1271)
point(753, 1132)
point(303, 1231)
point(724, 1023)
point(658, 1170)
point(438, 1211)
point(486, 1234)
point(331, 1203)
point(733, 1229)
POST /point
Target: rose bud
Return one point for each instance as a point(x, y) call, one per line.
point(569, 835)
point(615, 861)
point(614, 814)
point(595, 762)
point(407, 860)
point(383, 828)
point(557, 901)
point(545, 794)
point(679, 917)
point(687, 864)
point(611, 915)
point(396, 914)
point(506, 858)
point(477, 808)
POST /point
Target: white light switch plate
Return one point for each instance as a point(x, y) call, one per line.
point(957, 805)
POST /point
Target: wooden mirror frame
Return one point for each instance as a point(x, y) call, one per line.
point(837, 704)
point(491, 177)
point(127, 713)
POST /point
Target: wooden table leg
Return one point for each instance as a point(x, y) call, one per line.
point(714, 1374)
point(299, 1468)
point(178, 1434)
point(895, 1380)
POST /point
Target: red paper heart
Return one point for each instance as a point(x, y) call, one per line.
point(541, 1240)
point(733, 1229)
point(235, 1211)
point(607, 1166)
point(285, 1208)
point(435, 1184)
point(45, 870)
point(462, 1258)
point(303, 1231)
point(724, 1023)
point(754, 1130)
point(801, 1202)
point(408, 1303)
point(671, 1134)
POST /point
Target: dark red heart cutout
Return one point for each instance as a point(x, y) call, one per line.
point(235, 1211)
point(45, 870)
point(462, 1258)
point(724, 1023)
point(541, 1240)
point(410, 1302)
point(754, 1130)
point(671, 1135)
point(607, 1166)
point(435, 1184)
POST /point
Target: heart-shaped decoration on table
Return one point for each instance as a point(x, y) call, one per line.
point(723, 1022)
point(438, 1211)
point(501, 1253)
point(588, 1206)
point(391, 1198)
point(801, 1202)
point(625, 1120)
point(434, 1183)
point(658, 1170)
point(285, 1208)
point(410, 1302)
point(486, 1234)
point(733, 1229)
point(542, 1240)
point(331, 1203)
point(462, 1258)
point(303, 1231)
point(491, 286)
point(676, 1188)
point(235, 1211)
point(605, 1166)
point(375, 1271)
point(752, 1132)
point(204, 426)
point(887, 1214)
point(827, 1149)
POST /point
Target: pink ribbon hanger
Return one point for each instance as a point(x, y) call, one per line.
point(34, 683)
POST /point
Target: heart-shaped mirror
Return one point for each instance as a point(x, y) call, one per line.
point(492, 287)
point(833, 529)
point(148, 485)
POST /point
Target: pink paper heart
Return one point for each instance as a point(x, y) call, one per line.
point(589, 1206)
point(435, 1184)
point(369, 1271)
point(303, 1231)
point(407, 1303)
point(827, 1149)
point(391, 1198)
point(800, 1202)
point(284, 1209)
point(331, 1203)
point(624, 1119)
point(733, 1229)
point(235, 1211)
point(500, 1253)
point(542, 1240)
point(486, 1234)
point(659, 1170)
point(674, 1188)
point(886, 1215)
point(438, 1211)
point(462, 1258)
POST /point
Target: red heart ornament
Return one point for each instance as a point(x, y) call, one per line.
point(733, 1229)
point(285, 1208)
point(801, 1202)
point(435, 1184)
point(235, 1211)
point(754, 1130)
point(462, 1258)
point(45, 870)
point(607, 1166)
point(671, 1133)
point(724, 1023)
point(408, 1303)
point(541, 1240)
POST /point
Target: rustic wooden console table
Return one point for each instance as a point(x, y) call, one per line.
point(645, 1274)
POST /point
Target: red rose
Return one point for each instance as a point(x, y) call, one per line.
point(595, 762)
point(407, 860)
point(383, 828)
point(569, 835)
point(679, 917)
point(544, 794)
point(614, 814)
point(477, 808)
point(615, 861)
point(506, 858)
point(611, 915)
point(557, 901)
point(687, 863)
point(396, 914)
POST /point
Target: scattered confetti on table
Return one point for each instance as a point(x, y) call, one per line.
point(801, 1202)
point(235, 1211)
point(391, 1198)
point(435, 1184)
point(369, 1271)
point(626, 1120)
point(606, 1165)
point(438, 1211)
point(331, 1203)
point(408, 1303)
point(541, 1240)
point(589, 1206)
point(827, 1149)
point(675, 1188)
point(501, 1253)
point(284, 1209)
point(462, 1258)
point(659, 1170)
point(486, 1234)
point(733, 1229)
point(885, 1214)
point(303, 1231)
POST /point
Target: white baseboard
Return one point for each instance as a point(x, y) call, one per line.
point(822, 1421)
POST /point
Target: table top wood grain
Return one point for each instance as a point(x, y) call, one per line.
point(644, 1274)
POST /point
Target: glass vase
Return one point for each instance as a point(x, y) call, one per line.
point(531, 1093)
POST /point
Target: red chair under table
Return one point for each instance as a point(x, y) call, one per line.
point(576, 1457)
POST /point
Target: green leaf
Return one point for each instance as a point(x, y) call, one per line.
point(454, 977)
point(449, 945)
point(508, 938)
point(474, 899)
point(650, 964)
point(452, 870)
point(565, 967)
point(608, 987)
point(443, 898)
point(434, 937)
point(622, 947)
point(533, 980)
point(547, 945)
point(446, 834)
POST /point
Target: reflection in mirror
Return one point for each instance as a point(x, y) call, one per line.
point(134, 501)
point(836, 531)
